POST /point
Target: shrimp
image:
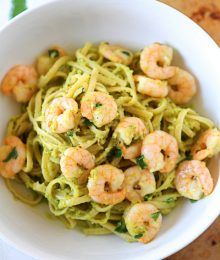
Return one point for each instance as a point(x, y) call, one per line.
point(116, 53)
point(105, 185)
point(129, 132)
point(12, 156)
point(100, 108)
point(160, 151)
point(155, 61)
point(193, 180)
point(151, 87)
point(76, 162)
point(138, 183)
point(182, 87)
point(130, 129)
point(21, 82)
point(143, 221)
point(132, 151)
point(207, 145)
point(60, 114)
point(45, 62)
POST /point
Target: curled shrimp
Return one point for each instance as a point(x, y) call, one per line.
point(155, 61)
point(182, 87)
point(116, 53)
point(130, 131)
point(21, 82)
point(76, 162)
point(100, 108)
point(105, 185)
point(138, 183)
point(143, 221)
point(193, 180)
point(132, 151)
point(160, 151)
point(151, 87)
point(207, 145)
point(12, 156)
point(45, 62)
point(60, 114)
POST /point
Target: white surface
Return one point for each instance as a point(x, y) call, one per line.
point(7, 252)
point(134, 23)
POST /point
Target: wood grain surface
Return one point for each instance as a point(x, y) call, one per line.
point(206, 247)
point(207, 14)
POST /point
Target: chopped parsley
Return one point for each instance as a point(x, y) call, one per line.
point(98, 105)
point(155, 215)
point(118, 152)
point(140, 162)
point(121, 227)
point(70, 133)
point(147, 197)
point(188, 155)
point(18, 6)
point(12, 155)
point(138, 236)
point(53, 53)
point(114, 152)
point(169, 200)
point(126, 53)
point(87, 122)
point(193, 201)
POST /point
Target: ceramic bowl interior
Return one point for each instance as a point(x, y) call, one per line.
point(133, 24)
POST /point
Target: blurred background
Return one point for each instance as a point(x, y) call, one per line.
point(206, 13)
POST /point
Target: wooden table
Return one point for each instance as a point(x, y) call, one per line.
point(204, 12)
point(207, 14)
point(206, 247)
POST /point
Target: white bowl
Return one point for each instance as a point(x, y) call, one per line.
point(134, 24)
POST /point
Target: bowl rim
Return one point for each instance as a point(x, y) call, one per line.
point(176, 245)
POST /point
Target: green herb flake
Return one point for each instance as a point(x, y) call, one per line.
point(118, 152)
point(193, 201)
point(121, 227)
point(140, 162)
point(69, 133)
point(169, 200)
point(53, 53)
point(98, 105)
point(114, 152)
point(147, 197)
point(188, 157)
point(126, 53)
point(87, 122)
point(12, 155)
point(155, 215)
point(138, 236)
point(18, 6)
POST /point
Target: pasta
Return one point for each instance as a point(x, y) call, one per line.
point(77, 77)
